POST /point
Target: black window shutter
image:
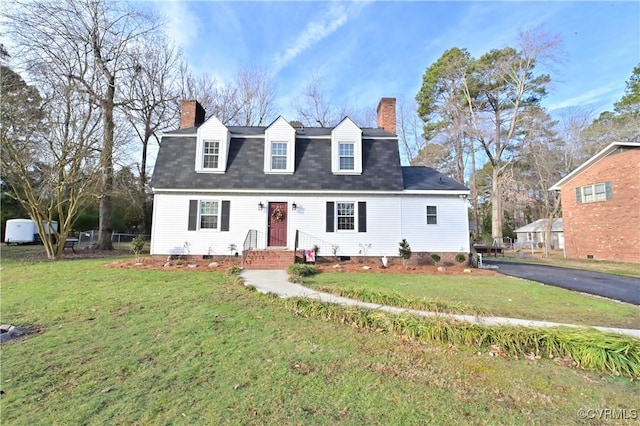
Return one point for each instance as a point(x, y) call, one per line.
point(330, 215)
point(362, 216)
point(607, 186)
point(578, 195)
point(193, 215)
point(224, 223)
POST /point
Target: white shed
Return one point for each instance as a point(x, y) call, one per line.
point(24, 231)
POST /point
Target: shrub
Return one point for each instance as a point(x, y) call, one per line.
point(137, 244)
point(435, 257)
point(404, 251)
point(302, 270)
point(234, 270)
point(460, 257)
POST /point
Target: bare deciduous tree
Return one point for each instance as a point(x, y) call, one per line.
point(255, 93)
point(313, 109)
point(153, 105)
point(49, 153)
point(89, 42)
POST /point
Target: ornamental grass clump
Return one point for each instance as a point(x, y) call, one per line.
point(299, 271)
point(587, 348)
point(398, 300)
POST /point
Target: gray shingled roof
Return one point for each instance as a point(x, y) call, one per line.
point(426, 178)
point(176, 159)
point(381, 169)
point(305, 131)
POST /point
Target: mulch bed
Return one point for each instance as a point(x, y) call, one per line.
point(196, 264)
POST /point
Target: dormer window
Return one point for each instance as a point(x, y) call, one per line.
point(346, 148)
point(211, 154)
point(212, 147)
point(278, 155)
point(279, 147)
point(346, 155)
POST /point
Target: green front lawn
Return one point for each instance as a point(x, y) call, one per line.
point(118, 346)
point(491, 295)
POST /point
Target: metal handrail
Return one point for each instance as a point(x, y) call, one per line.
point(250, 242)
point(307, 241)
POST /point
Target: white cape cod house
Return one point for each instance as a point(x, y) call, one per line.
point(224, 189)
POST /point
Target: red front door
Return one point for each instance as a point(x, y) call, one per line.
point(277, 235)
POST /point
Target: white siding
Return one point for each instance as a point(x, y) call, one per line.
point(389, 219)
point(450, 234)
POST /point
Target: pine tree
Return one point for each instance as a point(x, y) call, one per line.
point(404, 251)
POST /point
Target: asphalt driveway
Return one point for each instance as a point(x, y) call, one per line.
point(624, 289)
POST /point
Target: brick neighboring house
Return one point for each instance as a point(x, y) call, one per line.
point(601, 205)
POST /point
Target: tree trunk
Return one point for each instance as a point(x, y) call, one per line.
point(496, 205)
point(146, 224)
point(474, 192)
point(106, 163)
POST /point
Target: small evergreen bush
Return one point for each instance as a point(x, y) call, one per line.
point(137, 244)
point(435, 257)
point(460, 257)
point(404, 251)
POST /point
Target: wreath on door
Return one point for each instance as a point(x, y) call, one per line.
point(277, 215)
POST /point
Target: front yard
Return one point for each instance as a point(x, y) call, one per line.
point(192, 347)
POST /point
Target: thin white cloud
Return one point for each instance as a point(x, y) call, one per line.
point(599, 95)
point(183, 24)
point(314, 32)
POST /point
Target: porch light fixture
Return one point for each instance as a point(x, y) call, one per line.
point(294, 206)
point(462, 196)
point(260, 206)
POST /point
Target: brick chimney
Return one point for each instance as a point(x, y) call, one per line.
point(192, 114)
point(387, 114)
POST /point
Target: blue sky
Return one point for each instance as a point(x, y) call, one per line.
point(369, 49)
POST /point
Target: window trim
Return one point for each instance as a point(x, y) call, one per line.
point(216, 155)
point(352, 156)
point(354, 216)
point(589, 193)
point(433, 215)
point(218, 215)
point(272, 156)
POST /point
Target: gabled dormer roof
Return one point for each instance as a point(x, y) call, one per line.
point(212, 140)
point(346, 148)
point(279, 147)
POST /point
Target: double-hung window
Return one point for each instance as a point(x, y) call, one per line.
point(278, 155)
point(210, 154)
point(588, 194)
point(592, 193)
point(346, 154)
point(600, 192)
point(209, 215)
point(432, 215)
point(346, 215)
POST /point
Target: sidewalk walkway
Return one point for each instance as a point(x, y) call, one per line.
point(276, 282)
